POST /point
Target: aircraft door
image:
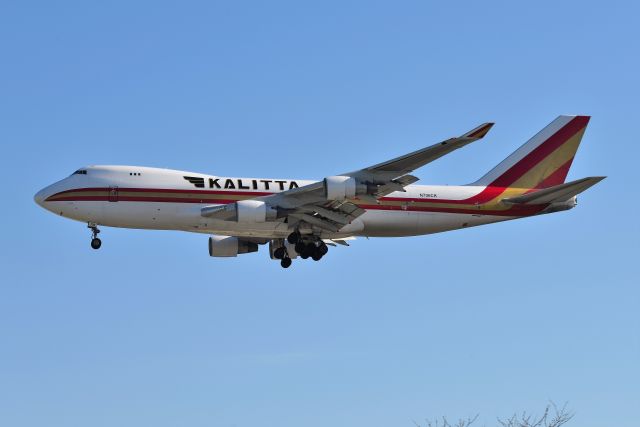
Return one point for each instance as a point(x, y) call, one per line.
point(113, 194)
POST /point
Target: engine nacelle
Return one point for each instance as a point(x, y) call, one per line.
point(342, 187)
point(254, 211)
point(227, 246)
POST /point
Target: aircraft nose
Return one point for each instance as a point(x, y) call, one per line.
point(40, 197)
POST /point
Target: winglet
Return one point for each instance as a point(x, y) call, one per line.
point(479, 132)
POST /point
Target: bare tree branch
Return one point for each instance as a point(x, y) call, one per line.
point(445, 423)
point(560, 417)
point(553, 416)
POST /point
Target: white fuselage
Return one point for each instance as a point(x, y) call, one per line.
point(163, 199)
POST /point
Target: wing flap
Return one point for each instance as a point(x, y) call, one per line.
point(339, 241)
point(314, 220)
point(330, 216)
point(397, 184)
point(334, 216)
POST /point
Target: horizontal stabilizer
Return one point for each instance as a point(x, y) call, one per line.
point(557, 193)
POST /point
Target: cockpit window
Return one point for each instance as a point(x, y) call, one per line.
point(80, 172)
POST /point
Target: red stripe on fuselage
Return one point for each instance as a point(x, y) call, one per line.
point(488, 193)
point(512, 211)
point(142, 199)
point(491, 192)
point(167, 190)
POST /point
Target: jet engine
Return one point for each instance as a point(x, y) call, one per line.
point(250, 211)
point(254, 211)
point(342, 187)
point(226, 246)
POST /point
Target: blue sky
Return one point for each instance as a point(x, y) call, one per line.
point(151, 331)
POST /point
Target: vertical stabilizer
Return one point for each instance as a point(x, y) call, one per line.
point(544, 160)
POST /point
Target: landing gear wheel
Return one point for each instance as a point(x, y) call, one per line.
point(279, 253)
point(317, 256)
point(300, 247)
point(285, 262)
point(96, 243)
point(310, 249)
point(293, 238)
point(323, 248)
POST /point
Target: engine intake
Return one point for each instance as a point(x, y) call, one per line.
point(227, 246)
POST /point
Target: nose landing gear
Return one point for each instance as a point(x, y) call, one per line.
point(95, 242)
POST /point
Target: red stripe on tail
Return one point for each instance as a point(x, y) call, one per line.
point(541, 152)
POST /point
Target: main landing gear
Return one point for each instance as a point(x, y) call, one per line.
point(294, 237)
point(283, 256)
point(95, 242)
point(285, 262)
point(313, 248)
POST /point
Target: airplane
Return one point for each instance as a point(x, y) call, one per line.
point(301, 218)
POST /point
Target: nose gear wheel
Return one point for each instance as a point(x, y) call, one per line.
point(95, 241)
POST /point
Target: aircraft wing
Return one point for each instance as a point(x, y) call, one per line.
point(409, 162)
point(315, 205)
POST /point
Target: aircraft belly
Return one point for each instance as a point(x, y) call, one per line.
point(165, 216)
point(407, 223)
point(159, 216)
point(186, 217)
point(268, 229)
point(389, 223)
point(85, 211)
